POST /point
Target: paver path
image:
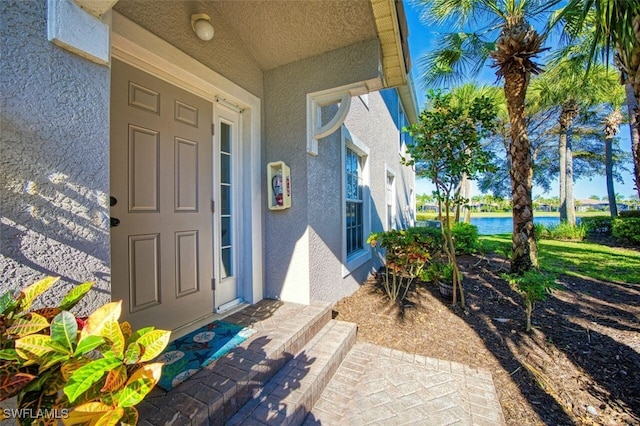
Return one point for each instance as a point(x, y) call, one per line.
point(377, 385)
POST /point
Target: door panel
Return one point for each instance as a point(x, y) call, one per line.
point(161, 169)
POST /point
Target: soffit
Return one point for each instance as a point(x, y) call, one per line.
point(279, 32)
point(392, 33)
point(274, 32)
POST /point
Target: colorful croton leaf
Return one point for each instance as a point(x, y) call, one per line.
point(95, 368)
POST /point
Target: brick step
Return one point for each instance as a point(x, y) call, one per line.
point(294, 390)
point(215, 393)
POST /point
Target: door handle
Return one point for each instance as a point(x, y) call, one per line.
point(114, 221)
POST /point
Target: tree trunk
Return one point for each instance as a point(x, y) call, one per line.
point(569, 200)
point(525, 253)
point(633, 73)
point(632, 105)
point(567, 205)
point(562, 178)
point(611, 128)
point(608, 154)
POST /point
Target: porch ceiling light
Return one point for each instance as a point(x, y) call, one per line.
point(201, 25)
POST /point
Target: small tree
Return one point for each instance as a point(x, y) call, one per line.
point(447, 147)
point(534, 286)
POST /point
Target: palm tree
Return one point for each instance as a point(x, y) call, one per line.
point(614, 25)
point(504, 35)
point(565, 85)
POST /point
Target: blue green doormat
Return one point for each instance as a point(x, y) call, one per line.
point(185, 356)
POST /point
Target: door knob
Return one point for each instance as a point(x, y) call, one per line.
point(114, 222)
point(112, 201)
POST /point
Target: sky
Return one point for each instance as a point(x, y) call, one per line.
point(420, 41)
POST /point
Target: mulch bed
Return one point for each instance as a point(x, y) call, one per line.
point(580, 365)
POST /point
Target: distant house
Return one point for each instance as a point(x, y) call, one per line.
point(187, 176)
point(545, 207)
point(587, 205)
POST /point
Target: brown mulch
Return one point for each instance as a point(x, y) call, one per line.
point(581, 364)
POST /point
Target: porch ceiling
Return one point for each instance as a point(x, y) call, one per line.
point(274, 32)
point(279, 32)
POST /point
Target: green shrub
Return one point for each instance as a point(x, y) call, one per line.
point(421, 217)
point(597, 224)
point(439, 272)
point(540, 231)
point(406, 255)
point(629, 213)
point(430, 238)
point(627, 229)
point(565, 231)
point(92, 370)
point(465, 238)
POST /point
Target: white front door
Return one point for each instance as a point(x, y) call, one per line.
point(161, 189)
point(227, 181)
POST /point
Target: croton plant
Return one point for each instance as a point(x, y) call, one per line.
point(90, 370)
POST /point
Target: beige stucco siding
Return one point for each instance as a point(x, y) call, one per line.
point(54, 155)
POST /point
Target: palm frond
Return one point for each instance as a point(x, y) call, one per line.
point(460, 55)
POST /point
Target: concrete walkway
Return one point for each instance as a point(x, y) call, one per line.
point(302, 367)
point(380, 386)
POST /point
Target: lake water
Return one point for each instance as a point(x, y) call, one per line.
point(504, 225)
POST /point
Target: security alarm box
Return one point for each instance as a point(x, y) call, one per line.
point(279, 185)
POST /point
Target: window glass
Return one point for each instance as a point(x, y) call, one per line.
point(354, 201)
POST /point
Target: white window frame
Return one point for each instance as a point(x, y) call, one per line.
point(355, 260)
point(402, 122)
point(390, 197)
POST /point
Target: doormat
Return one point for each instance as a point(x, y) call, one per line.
point(185, 356)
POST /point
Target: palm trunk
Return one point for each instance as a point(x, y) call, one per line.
point(608, 154)
point(524, 255)
point(562, 178)
point(467, 210)
point(632, 105)
point(567, 205)
point(611, 127)
point(633, 72)
point(569, 200)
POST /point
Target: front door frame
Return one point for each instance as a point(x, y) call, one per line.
point(145, 51)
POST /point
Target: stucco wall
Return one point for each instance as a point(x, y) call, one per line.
point(287, 245)
point(372, 120)
point(54, 173)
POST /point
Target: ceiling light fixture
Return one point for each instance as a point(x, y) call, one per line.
point(201, 25)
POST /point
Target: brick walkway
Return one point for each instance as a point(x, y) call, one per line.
point(377, 385)
point(301, 367)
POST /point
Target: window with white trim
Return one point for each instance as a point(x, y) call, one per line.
point(356, 202)
point(391, 199)
point(402, 123)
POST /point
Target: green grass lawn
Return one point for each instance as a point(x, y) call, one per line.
point(581, 259)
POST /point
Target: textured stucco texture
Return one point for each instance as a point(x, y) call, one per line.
point(225, 53)
point(54, 158)
point(373, 122)
point(287, 246)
